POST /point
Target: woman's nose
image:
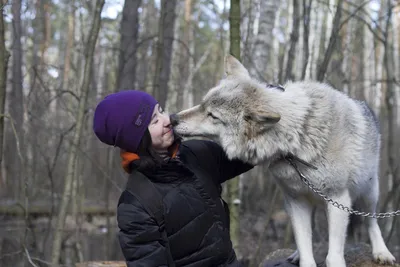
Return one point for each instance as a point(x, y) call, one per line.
point(167, 121)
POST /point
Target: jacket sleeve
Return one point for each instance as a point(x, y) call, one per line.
point(226, 168)
point(139, 235)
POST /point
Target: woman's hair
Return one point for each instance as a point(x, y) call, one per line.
point(148, 157)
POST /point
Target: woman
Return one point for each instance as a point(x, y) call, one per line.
point(188, 175)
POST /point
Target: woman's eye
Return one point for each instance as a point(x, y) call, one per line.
point(160, 110)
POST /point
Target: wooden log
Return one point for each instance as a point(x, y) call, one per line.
point(101, 264)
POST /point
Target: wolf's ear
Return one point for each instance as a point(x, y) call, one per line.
point(263, 117)
point(233, 67)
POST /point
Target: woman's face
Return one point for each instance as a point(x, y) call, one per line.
point(160, 129)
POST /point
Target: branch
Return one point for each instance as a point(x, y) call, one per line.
point(198, 65)
point(15, 134)
point(10, 254)
point(29, 257)
point(374, 32)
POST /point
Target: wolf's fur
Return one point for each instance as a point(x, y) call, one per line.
point(338, 135)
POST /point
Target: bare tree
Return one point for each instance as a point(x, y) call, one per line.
point(148, 19)
point(294, 37)
point(233, 185)
point(347, 51)
point(69, 45)
point(332, 41)
point(186, 59)
point(164, 50)
point(307, 5)
point(4, 55)
point(16, 95)
point(390, 99)
point(263, 48)
point(129, 40)
point(68, 183)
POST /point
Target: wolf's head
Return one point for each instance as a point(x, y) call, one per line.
point(233, 113)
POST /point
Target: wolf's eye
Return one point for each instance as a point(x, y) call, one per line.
point(212, 116)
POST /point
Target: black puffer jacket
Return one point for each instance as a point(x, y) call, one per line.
point(196, 220)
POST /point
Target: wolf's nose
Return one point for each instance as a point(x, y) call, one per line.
point(174, 119)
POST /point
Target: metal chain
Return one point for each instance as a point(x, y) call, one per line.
point(335, 203)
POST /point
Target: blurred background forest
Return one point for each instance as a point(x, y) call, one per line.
point(59, 185)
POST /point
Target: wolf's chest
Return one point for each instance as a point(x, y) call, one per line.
point(289, 179)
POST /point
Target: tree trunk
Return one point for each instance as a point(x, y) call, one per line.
point(390, 99)
point(233, 198)
point(164, 50)
point(294, 37)
point(332, 41)
point(15, 103)
point(307, 5)
point(221, 49)
point(186, 60)
point(262, 48)
point(4, 55)
point(368, 62)
point(234, 30)
point(316, 38)
point(128, 46)
point(45, 8)
point(63, 208)
point(348, 52)
point(69, 46)
point(148, 19)
point(178, 50)
point(283, 55)
point(276, 48)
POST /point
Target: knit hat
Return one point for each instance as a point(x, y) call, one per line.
point(122, 118)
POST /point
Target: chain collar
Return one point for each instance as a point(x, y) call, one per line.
point(291, 159)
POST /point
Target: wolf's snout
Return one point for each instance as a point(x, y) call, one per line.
point(174, 120)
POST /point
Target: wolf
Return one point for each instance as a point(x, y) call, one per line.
point(318, 124)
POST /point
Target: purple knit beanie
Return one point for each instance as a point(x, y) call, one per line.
point(121, 119)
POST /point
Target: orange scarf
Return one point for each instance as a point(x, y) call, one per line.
point(128, 157)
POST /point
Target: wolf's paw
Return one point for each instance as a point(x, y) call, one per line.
point(384, 257)
point(294, 258)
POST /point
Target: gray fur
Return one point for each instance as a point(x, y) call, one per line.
point(316, 123)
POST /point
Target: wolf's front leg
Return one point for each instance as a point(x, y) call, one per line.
point(337, 221)
point(299, 210)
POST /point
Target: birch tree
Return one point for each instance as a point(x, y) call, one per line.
point(316, 39)
point(65, 201)
point(263, 44)
point(307, 6)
